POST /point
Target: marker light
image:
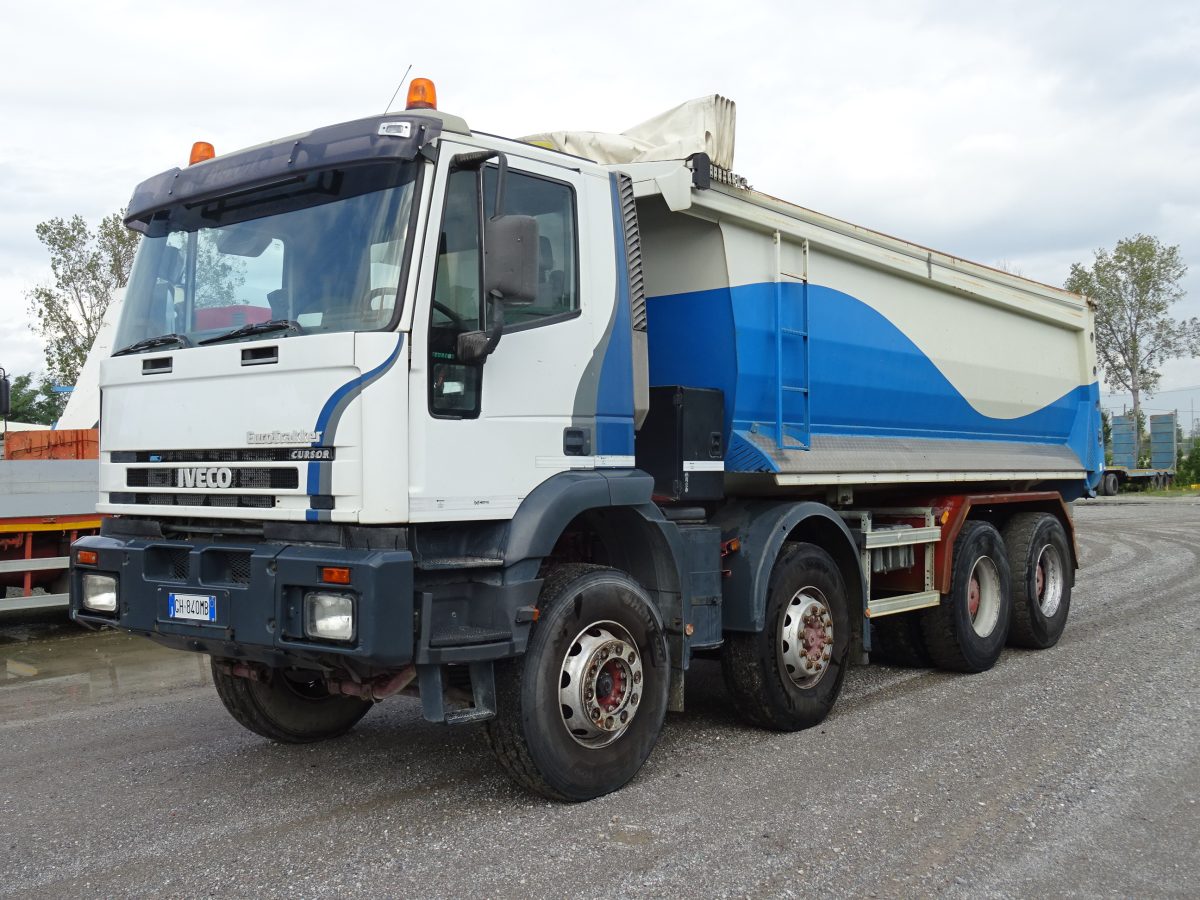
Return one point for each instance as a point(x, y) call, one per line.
point(87, 557)
point(201, 150)
point(335, 575)
point(422, 94)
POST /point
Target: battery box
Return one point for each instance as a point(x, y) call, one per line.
point(681, 443)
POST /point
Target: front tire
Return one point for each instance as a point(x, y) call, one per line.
point(788, 676)
point(967, 631)
point(580, 712)
point(289, 706)
point(1039, 559)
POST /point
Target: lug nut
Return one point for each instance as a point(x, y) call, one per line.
point(633, 700)
point(637, 677)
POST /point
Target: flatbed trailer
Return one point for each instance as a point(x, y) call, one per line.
point(45, 506)
point(1124, 471)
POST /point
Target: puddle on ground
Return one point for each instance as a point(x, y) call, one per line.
point(47, 667)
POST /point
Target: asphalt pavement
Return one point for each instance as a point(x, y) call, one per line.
point(1068, 772)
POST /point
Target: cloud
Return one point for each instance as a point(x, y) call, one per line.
point(1029, 132)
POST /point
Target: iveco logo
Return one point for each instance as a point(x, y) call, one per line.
point(204, 478)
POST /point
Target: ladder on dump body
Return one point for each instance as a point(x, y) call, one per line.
point(783, 335)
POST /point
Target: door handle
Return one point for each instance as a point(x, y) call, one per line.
point(577, 442)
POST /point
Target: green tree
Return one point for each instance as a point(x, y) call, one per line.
point(219, 277)
point(1188, 470)
point(1133, 288)
point(36, 403)
point(88, 268)
point(1106, 428)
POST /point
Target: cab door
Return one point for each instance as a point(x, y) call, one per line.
point(485, 434)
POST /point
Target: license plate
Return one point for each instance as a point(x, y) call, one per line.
point(197, 607)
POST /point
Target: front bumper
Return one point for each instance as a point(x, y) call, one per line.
point(259, 593)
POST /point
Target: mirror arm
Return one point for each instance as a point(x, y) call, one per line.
point(501, 185)
point(474, 346)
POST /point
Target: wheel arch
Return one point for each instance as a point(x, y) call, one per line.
point(615, 509)
point(995, 509)
point(762, 528)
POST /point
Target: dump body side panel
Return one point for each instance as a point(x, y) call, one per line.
point(850, 361)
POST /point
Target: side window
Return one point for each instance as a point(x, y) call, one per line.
point(454, 386)
point(552, 205)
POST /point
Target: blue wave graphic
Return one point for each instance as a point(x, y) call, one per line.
point(865, 377)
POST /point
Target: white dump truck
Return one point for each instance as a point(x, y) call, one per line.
point(522, 426)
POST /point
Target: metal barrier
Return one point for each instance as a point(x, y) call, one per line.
point(31, 600)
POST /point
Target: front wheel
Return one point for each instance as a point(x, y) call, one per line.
point(291, 706)
point(787, 676)
point(579, 713)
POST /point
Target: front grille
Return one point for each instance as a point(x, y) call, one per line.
point(245, 501)
point(168, 563)
point(177, 560)
point(225, 566)
point(259, 477)
point(239, 567)
point(236, 455)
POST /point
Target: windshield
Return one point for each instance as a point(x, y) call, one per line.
point(323, 251)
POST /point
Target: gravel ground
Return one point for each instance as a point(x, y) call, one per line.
point(1069, 772)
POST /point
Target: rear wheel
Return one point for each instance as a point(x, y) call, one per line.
point(1039, 560)
point(788, 676)
point(967, 631)
point(1110, 484)
point(292, 706)
point(579, 713)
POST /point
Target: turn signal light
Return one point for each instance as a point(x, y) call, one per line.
point(422, 94)
point(201, 150)
point(335, 575)
point(86, 557)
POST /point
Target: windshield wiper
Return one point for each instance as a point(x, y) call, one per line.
point(256, 328)
point(161, 340)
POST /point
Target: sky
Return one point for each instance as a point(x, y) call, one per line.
point(1019, 134)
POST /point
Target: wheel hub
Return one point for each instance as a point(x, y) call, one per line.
point(1050, 579)
point(983, 596)
point(806, 637)
point(600, 684)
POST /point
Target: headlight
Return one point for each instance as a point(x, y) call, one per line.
point(99, 592)
point(329, 617)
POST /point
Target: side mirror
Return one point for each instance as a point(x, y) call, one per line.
point(510, 259)
point(510, 269)
point(5, 395)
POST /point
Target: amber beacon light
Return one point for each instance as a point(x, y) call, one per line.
point(201, 150)
point(422, 94)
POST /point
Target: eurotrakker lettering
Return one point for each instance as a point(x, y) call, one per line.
point(282, 437)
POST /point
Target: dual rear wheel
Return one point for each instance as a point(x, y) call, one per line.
point(1009, 587)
